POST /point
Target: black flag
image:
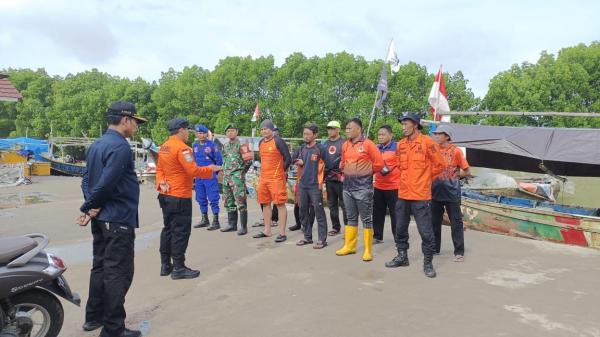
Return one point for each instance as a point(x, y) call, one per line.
point(382, 88)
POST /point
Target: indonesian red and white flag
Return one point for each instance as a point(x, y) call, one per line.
point(438, 98)
point(256, 113)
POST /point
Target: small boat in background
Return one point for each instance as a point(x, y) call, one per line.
point(533, 219)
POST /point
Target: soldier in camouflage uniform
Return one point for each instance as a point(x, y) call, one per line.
point(234, 182)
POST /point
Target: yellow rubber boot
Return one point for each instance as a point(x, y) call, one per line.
point(368, 239)
point(350, 237)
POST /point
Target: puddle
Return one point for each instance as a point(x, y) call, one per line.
point(14, 200)
point(82, 251)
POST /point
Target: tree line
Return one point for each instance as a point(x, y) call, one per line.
point(318, 89)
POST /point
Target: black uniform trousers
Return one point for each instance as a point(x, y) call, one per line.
point(335, 199)
point(421, 210)
point(111, 275)
point(456, 224)
point(384, 200)
point(175, 235)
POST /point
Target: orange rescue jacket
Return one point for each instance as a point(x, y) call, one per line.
point(176, 167)
point(419, 161)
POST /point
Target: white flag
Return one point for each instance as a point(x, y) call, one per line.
point(392, 57)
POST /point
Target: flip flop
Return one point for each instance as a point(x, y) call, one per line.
point(333, 232)
point(459, 258)
point(320, 245)
point(258, 224)
point(280, 238)
point(261, 235)
point(303, 242)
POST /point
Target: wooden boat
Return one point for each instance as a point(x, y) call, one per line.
point(531, 219)
point(60, 167)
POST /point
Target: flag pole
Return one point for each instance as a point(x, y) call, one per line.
point(377, 94)
point(372, 113)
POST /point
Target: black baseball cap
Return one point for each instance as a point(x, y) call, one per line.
point(413, 117)
point(178, 123)
point(125, 109)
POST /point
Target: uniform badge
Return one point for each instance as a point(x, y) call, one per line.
point(187, 156)
point(361, 148)
point(313, 157)
point(332, 149)
point(207, 150)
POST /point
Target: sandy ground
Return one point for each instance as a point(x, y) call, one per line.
point(248, 287)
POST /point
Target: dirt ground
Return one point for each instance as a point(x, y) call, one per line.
point(255, 287)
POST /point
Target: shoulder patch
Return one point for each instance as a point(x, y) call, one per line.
point(188, 157)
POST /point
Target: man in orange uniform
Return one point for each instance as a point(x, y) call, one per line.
point(275, 159)
point(360, 160)
point(175, 172)
point(446, 192)
point(419, 159)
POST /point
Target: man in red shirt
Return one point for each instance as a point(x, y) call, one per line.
point(446, 192)
point(386, 183)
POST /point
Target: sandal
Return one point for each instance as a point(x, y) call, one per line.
point(333, 232)
point(303, 242)
point(280, 238)
point(259, 223)
point(320, 245)
point(459, 258)
point(261, 235)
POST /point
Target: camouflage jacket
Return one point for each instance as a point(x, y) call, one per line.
point(232, 159)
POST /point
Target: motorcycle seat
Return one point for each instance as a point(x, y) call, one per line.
point(13, 247)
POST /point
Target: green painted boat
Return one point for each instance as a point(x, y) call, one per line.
point(531, 219)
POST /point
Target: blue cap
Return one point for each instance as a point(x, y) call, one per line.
point(201, 128)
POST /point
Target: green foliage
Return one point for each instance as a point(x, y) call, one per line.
point(316, 89)
point(566, 83)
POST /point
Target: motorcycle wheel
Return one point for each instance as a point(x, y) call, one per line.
point(43, 308)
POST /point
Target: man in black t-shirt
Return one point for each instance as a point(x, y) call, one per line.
point(333, 176)
point(310, 186)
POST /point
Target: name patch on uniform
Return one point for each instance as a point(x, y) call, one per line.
point(187, 155)
point(313, 157)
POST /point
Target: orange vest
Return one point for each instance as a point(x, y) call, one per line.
point(419, 161)
point(176, 167)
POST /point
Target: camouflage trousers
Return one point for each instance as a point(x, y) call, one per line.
point(234, 192)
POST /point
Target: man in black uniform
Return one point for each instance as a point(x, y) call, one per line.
point(333, 176)
point(111, 193)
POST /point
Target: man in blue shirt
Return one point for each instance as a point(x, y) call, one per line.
point(111, 191)
point(206, 153)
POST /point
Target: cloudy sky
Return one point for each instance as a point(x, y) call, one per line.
point(142, 38)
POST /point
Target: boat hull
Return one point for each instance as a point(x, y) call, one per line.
point(532, 223)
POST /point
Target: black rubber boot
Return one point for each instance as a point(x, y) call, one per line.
point(243, 223)
point(203, 222)
point(428, 266)
point(401, 260)
point(232, 218)
point(215, 224)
